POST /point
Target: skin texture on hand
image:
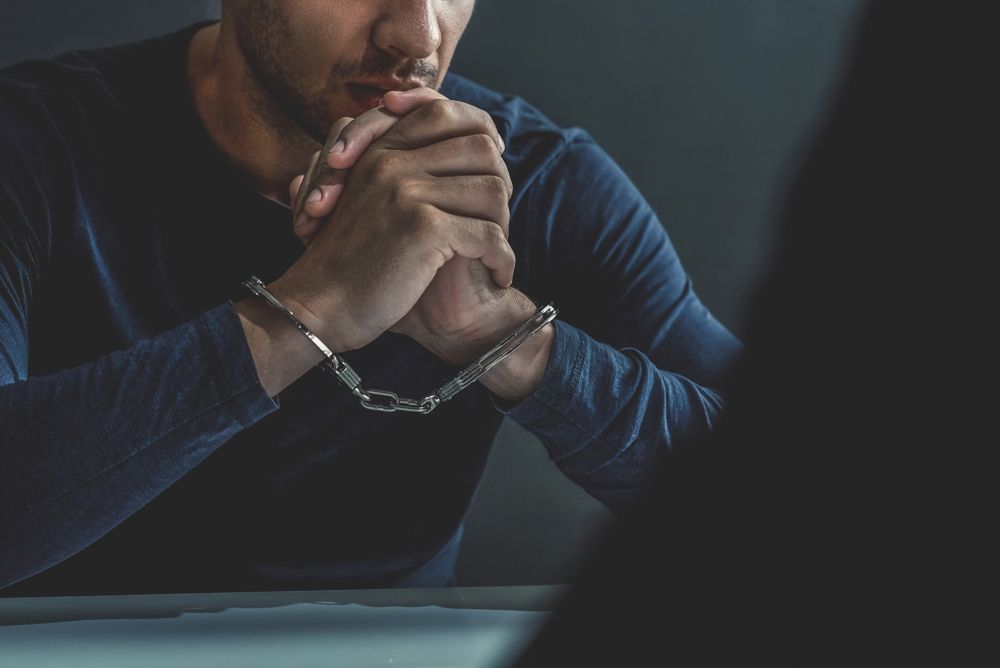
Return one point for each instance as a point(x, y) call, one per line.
point(348, 139)
point(432, 188)
point(463, 323)
point(461, 288)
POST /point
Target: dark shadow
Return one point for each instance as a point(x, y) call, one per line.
point(841, 514)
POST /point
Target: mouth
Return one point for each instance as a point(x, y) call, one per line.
point(368, 95)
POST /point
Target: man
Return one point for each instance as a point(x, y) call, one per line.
point(143, 446)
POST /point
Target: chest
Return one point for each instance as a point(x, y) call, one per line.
point(143, 250)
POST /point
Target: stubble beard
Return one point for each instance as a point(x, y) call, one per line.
point(281, 95)
point(278, 89)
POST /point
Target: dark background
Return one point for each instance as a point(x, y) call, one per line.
point(706, 104)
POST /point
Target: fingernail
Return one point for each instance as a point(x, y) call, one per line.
point(338, 147)
point(301, 219)
point(503, 146)
point(315, 196)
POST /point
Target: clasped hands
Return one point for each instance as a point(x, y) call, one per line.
point(406, 230)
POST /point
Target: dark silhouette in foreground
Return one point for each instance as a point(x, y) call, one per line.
point(838, 513)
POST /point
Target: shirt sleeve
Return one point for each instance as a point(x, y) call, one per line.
point(84, 448)
point(638, 364)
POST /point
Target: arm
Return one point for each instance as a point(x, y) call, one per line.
point(636, 362)
point(84, 448)
point(633, 366)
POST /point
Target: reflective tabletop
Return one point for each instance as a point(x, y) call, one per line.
point(461, 626)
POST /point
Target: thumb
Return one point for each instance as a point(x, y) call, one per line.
point(402, 102)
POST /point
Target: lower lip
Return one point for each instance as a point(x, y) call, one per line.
point(366, 96)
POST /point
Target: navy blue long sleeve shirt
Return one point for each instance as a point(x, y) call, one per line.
point(138, 450)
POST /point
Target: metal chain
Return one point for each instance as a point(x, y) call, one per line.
point(390, 402)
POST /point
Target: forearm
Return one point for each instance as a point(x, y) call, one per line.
point(281, 354)
point(607, 416)
point(85, 448)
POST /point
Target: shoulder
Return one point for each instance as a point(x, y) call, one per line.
point(535, 143)
point(62, 117)
point(45, 107)
point(40, 99)
point(79, 90)
point(517, 117)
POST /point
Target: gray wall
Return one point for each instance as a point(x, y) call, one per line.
point(706, 104)
point(46, 27)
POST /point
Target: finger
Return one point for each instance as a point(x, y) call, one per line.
point(403, 102)
point(460, 156)
point(302, 189)
point(316, 170)
point(293, 187)
point(438, 120)
point(357, 136)
point(317, 210)
point(324, 196)
point(484, 197)
point(482, 240)
point(354, 138)
point(374, 123)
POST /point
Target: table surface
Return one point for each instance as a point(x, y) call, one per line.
point(461, 626)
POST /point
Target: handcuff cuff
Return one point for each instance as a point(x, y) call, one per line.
point(390, 402)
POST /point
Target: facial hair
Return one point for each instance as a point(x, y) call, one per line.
point(284, 95)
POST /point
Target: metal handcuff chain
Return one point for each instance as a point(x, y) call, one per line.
point(390, 402)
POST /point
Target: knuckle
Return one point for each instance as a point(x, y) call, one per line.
point(378, 166)
point(489, 127)
point(443, 110)
point(495, 234)
point(503, 220)
point(503, 174)
point(481, 143)
point(407, 190)
point(424, 221)
point(496, 185)
point(499, 192)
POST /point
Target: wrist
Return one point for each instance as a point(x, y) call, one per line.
point(321, 312)
point(279, 352)
point(516, 376)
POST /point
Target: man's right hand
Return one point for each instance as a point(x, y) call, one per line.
point(431, 188)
